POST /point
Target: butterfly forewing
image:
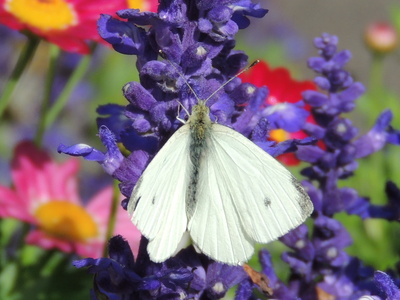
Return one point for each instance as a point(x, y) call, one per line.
point(158, 205)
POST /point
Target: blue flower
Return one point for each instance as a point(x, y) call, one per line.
point(201, 55)
point(111, 160)
point(386, 286)
point(121, 276)
point(287, 116)
point(185, 276)
point(317, 260)
point(197, 38)
point(380, 135)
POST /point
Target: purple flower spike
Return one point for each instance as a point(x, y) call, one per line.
point(119, 277)
point(183, 277)
point(390, 211)
point(110, 161)
point(387, 286)
point(287, 116)
point(198, 40)
point(244, 290)
point(125, 37)
point(319, 265)
point(87, 152)
point(113, 117)
point(246, 8)
point(192, 43)
point(221, 277)
point(280, 290)
point(376, 138)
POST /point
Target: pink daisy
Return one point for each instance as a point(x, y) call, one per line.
point(45, 195)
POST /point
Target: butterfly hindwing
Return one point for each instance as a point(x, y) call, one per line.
point(215, 226)
point(245, 195)
point(157, 205)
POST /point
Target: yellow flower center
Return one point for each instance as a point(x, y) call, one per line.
point(43, 14)
point(138, 4)
point(278, 135)
point(66, 220)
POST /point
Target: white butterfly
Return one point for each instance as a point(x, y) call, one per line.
point(215, 184)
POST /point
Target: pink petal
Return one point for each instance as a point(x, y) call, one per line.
point(26, 172)
point(93, 249)
point(42, 240)
point(62, 181)
point(100, 206)
point(38, 179)
point(12, 206)
point(125, 227)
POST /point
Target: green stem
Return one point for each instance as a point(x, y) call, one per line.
point(25, 57)
point(113, 216)
point(53, 259)
point(54, 55)
point(49, 115)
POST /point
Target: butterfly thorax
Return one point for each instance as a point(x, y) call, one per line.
point(199, 122)
point(200, 126)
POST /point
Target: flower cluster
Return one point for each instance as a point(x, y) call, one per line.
point(319, 265)
point(198, 41)
point(283, 92)
point(185, 276)
point(197, 37)
point(197, 55)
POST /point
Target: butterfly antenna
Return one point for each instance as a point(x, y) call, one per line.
point(162, 54)
point(230, 79)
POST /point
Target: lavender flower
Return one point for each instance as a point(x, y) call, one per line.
point(186, 276)
point(386, 286)
point(319, 263)
point(198, 38)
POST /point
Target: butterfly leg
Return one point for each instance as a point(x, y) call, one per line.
point(179, 111)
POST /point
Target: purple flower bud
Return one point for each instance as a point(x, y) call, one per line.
point(387, 286)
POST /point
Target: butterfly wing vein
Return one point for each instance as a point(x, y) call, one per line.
point(158, 205)
point(244, 196)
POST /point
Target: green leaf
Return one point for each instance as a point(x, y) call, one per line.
point(7, 281)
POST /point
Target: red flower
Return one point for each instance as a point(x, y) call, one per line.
point(282, 88)
point(70, 24)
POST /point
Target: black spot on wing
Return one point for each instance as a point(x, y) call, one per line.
point(267, 202)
